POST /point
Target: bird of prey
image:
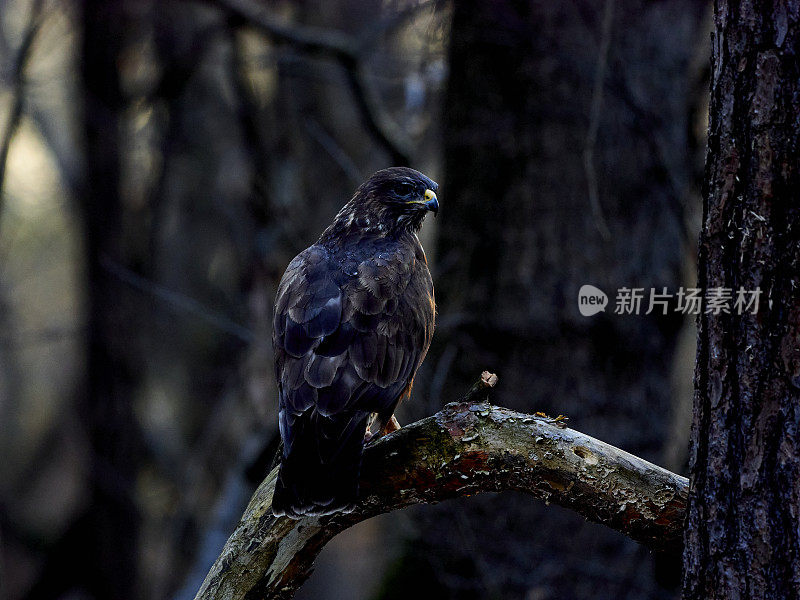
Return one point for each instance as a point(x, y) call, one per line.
point(354, 317)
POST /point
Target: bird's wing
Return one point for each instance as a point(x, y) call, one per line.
point(347, 344)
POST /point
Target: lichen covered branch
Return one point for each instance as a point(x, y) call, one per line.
point(467, 448)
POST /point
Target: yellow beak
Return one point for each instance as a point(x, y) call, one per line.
point(431, 201)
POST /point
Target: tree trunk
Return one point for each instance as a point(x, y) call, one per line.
point(111, 528)
point(742, 535)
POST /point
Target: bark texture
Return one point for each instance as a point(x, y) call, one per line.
point(467, 448)
point(742, 535)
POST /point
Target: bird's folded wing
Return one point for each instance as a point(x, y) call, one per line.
point(346, 343)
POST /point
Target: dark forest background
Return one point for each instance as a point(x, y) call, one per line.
point(162, 161)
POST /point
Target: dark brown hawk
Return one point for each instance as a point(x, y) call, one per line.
point(354, 317)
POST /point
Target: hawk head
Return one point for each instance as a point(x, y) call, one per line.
point(392, 199)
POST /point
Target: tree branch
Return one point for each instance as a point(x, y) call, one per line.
point(17, 85)
point(594, 121)
point(346, 50)
point(467, 448)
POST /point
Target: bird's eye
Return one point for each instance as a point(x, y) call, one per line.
point(403, 189)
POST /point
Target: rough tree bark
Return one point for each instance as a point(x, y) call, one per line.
point(742, 535)
point(467, 448)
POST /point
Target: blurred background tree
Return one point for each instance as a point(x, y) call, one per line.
point(161, 163)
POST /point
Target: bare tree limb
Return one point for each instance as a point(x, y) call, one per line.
point(181, 303)
point(335, 151)
point(17, 84)
point(467, 448)
point(594, 121)
point(348, 51)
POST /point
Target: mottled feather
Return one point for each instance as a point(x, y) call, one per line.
point(354, 317)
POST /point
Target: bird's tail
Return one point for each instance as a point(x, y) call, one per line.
point(320, 465)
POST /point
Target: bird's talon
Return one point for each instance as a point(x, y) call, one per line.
point(391, 425)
